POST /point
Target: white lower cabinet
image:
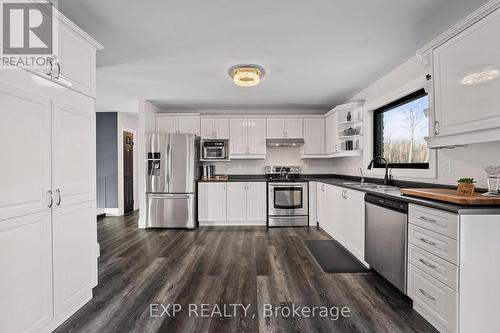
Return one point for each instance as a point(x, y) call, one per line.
point(26, 273)
point(321, 204)
point(435, 301)
point(211, 202)
point(232, 203)
point(236, 202)
point(256, 202)
point(75, 253)
point(355, 223)
point(341, 213)
point(336, 213)
point(452, 269)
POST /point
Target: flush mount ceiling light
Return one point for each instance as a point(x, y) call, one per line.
point(481, 76)
point(246, 75)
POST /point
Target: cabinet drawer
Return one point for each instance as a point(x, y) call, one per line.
point(433, 300)
point(436, 220)
point(439, 245)
point(436, 267)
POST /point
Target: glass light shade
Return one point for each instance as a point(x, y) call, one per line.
point(246, 76)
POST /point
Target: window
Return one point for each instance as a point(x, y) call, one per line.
point(399, 131)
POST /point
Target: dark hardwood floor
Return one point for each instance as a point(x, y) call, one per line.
point(253, 266)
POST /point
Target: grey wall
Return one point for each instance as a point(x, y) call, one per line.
point(107, 159)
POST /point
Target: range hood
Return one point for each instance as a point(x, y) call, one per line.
point(288, 142)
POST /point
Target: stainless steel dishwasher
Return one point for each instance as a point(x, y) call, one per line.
point(386, 237)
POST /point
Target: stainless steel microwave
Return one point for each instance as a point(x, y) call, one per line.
point(214, 150)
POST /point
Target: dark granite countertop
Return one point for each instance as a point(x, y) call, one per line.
point(239, 178)
point(340, 180)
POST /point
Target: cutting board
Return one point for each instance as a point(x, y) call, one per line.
point(451, 196)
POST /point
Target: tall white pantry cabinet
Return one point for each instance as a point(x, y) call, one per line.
point(48, 228)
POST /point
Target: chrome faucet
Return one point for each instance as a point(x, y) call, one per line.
point(284, 172)
point(362, 176)
point(386, 177)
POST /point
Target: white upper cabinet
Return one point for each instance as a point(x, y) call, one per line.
point(314, 136)
point(278, 128)
point(331, 133)
point(189, 125)
point(257, 136)
point(166, 123)
point(25, 159)
point(275, 128)
point(73, 147)
point(466, 82)
point(247, 138)
point(215, 128)
point(76, 65)
point(294, 128)
point(238, 136)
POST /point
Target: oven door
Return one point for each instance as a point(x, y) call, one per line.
point(288, 199)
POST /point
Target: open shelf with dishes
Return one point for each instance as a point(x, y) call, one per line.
point(349, 129)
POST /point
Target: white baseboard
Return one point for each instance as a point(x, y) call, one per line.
point(141, 224)
point(112, 211)
point(62, 317)
point(233, 224)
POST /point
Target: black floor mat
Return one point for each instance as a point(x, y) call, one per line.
point(333, 258)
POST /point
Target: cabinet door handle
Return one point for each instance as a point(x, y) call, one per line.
point(50, 68)
point(58, 70)
point(426, 241)
point(51, 199)
point(58, 202)
point(427, 219)
point(423, 261)
point(427, 295)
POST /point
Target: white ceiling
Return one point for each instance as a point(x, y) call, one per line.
point(316, 53)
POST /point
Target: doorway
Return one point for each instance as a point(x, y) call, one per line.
point(128, 172)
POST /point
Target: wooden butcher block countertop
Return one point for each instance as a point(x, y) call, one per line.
point(450, 195)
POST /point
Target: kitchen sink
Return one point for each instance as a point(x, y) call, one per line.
point(374, 186)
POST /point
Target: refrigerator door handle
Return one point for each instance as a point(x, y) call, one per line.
point(167, 169)
point(169, 196)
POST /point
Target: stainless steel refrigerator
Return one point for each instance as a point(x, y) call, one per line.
point(171, 174)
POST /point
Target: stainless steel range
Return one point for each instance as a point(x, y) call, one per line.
point(288, 197)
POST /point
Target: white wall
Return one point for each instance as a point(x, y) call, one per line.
point(463, 161)
point(146, 124)
point(276, 156)
point(127, 122)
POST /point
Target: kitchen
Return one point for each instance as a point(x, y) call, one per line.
point(337, 210)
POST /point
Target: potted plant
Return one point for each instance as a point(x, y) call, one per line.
point(466, 186)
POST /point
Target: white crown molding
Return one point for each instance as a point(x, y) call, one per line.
point(352, 105)
point(468, 21)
